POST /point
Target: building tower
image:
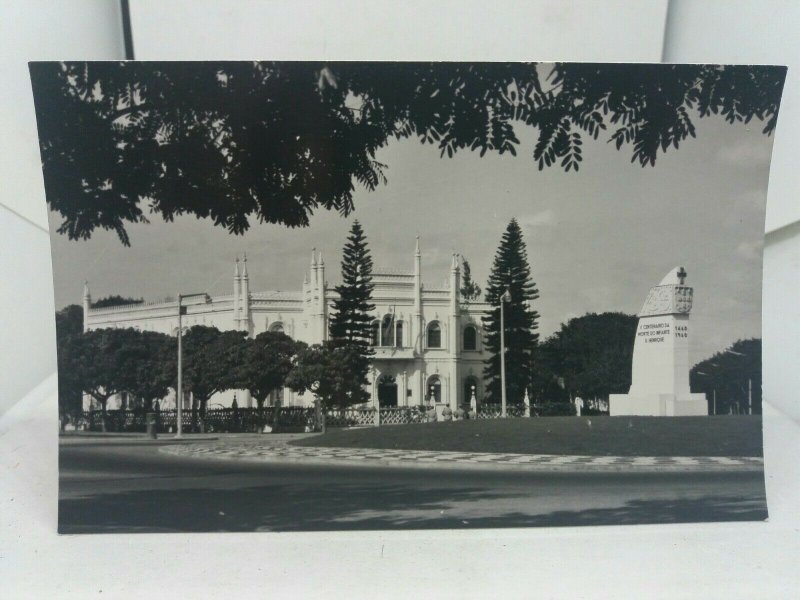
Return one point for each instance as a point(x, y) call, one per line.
point(322, 307)
point(417, 330)
point(237, 291)
point(454, 331)
point(87, 304)
point(244, 302)
point(313, 299)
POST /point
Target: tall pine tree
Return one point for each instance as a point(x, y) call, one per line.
point(511, 272)
point(350, 324)
point(469, 289)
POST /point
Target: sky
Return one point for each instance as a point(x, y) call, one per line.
point(597, 239)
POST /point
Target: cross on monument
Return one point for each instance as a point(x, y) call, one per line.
point(682, 275)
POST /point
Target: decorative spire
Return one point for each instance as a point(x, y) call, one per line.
point(313, 258)
point(86, 293)
point(244, 265)
point(416, 251)
point(236, 268)
point(321, 261)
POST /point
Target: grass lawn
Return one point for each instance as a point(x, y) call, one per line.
point(591, 436)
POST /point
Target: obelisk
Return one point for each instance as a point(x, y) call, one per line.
point(660, 367)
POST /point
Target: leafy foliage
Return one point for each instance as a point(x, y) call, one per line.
point(730, 373)
point(106, 360)
point(69, 329)
point(469, 289)
point(591, 355)
point(350, 330)
point(115, 300)
point(350, 320)
point(327, 370)
point(511, 272)
point(213, 362)
point(268, 361)
point(275, 141)
point(153, 366)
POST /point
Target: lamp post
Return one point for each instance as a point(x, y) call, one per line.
point(179, 387)
point(506, 297)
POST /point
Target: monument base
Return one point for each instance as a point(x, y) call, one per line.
point(657, 405)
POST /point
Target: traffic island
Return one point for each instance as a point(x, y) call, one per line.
point(271, 453)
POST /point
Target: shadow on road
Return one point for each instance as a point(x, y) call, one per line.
point(353, 507)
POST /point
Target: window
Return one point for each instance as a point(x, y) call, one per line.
point(399, 334)
point(376, 333)
point(387, 331)
point(470, 338)
point(434, 391)
point(434, 335)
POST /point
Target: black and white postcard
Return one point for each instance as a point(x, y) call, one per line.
point(298, 296)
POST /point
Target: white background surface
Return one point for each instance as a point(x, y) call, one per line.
point(709, 561)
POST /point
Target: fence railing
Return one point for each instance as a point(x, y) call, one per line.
point(288, 418)
point(227, 420)
point(495, 411)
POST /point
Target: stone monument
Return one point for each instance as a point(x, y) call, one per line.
point(660, 369)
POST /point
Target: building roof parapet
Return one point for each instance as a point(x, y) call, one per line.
point(277, 295)
point(381, 272)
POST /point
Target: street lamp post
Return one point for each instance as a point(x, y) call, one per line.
point(503, 299)
point(179, 387)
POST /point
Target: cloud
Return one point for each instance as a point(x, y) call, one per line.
point(545, 218)
point(745, 154)
point(751, 250)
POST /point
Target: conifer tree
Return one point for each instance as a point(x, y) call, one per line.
point(511, 272)
point(469, 289)
point(350, 324)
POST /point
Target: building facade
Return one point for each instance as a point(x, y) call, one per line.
point(429, 342)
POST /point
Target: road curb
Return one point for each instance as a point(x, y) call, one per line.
point(78, 440)
point(478, 461)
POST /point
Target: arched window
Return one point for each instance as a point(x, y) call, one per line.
point(398, 334)
point(433, 392)
point(387, 391)
point(470, 338)
point(434, 335)
point(277, 327)
point(387, 331)
point(375, 333)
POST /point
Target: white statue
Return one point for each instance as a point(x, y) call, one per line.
point(578, 405)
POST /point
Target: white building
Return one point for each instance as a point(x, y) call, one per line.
point(428, 341)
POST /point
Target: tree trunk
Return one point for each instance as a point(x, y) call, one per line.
point(194, 413)
point(203, 407)
point(103, 402)
point(260, 406)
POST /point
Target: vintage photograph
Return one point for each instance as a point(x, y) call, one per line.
point(296, 296)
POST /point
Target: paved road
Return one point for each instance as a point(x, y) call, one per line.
point(128, 487)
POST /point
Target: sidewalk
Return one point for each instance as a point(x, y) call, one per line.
point(88, 437)
point(281, 453)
